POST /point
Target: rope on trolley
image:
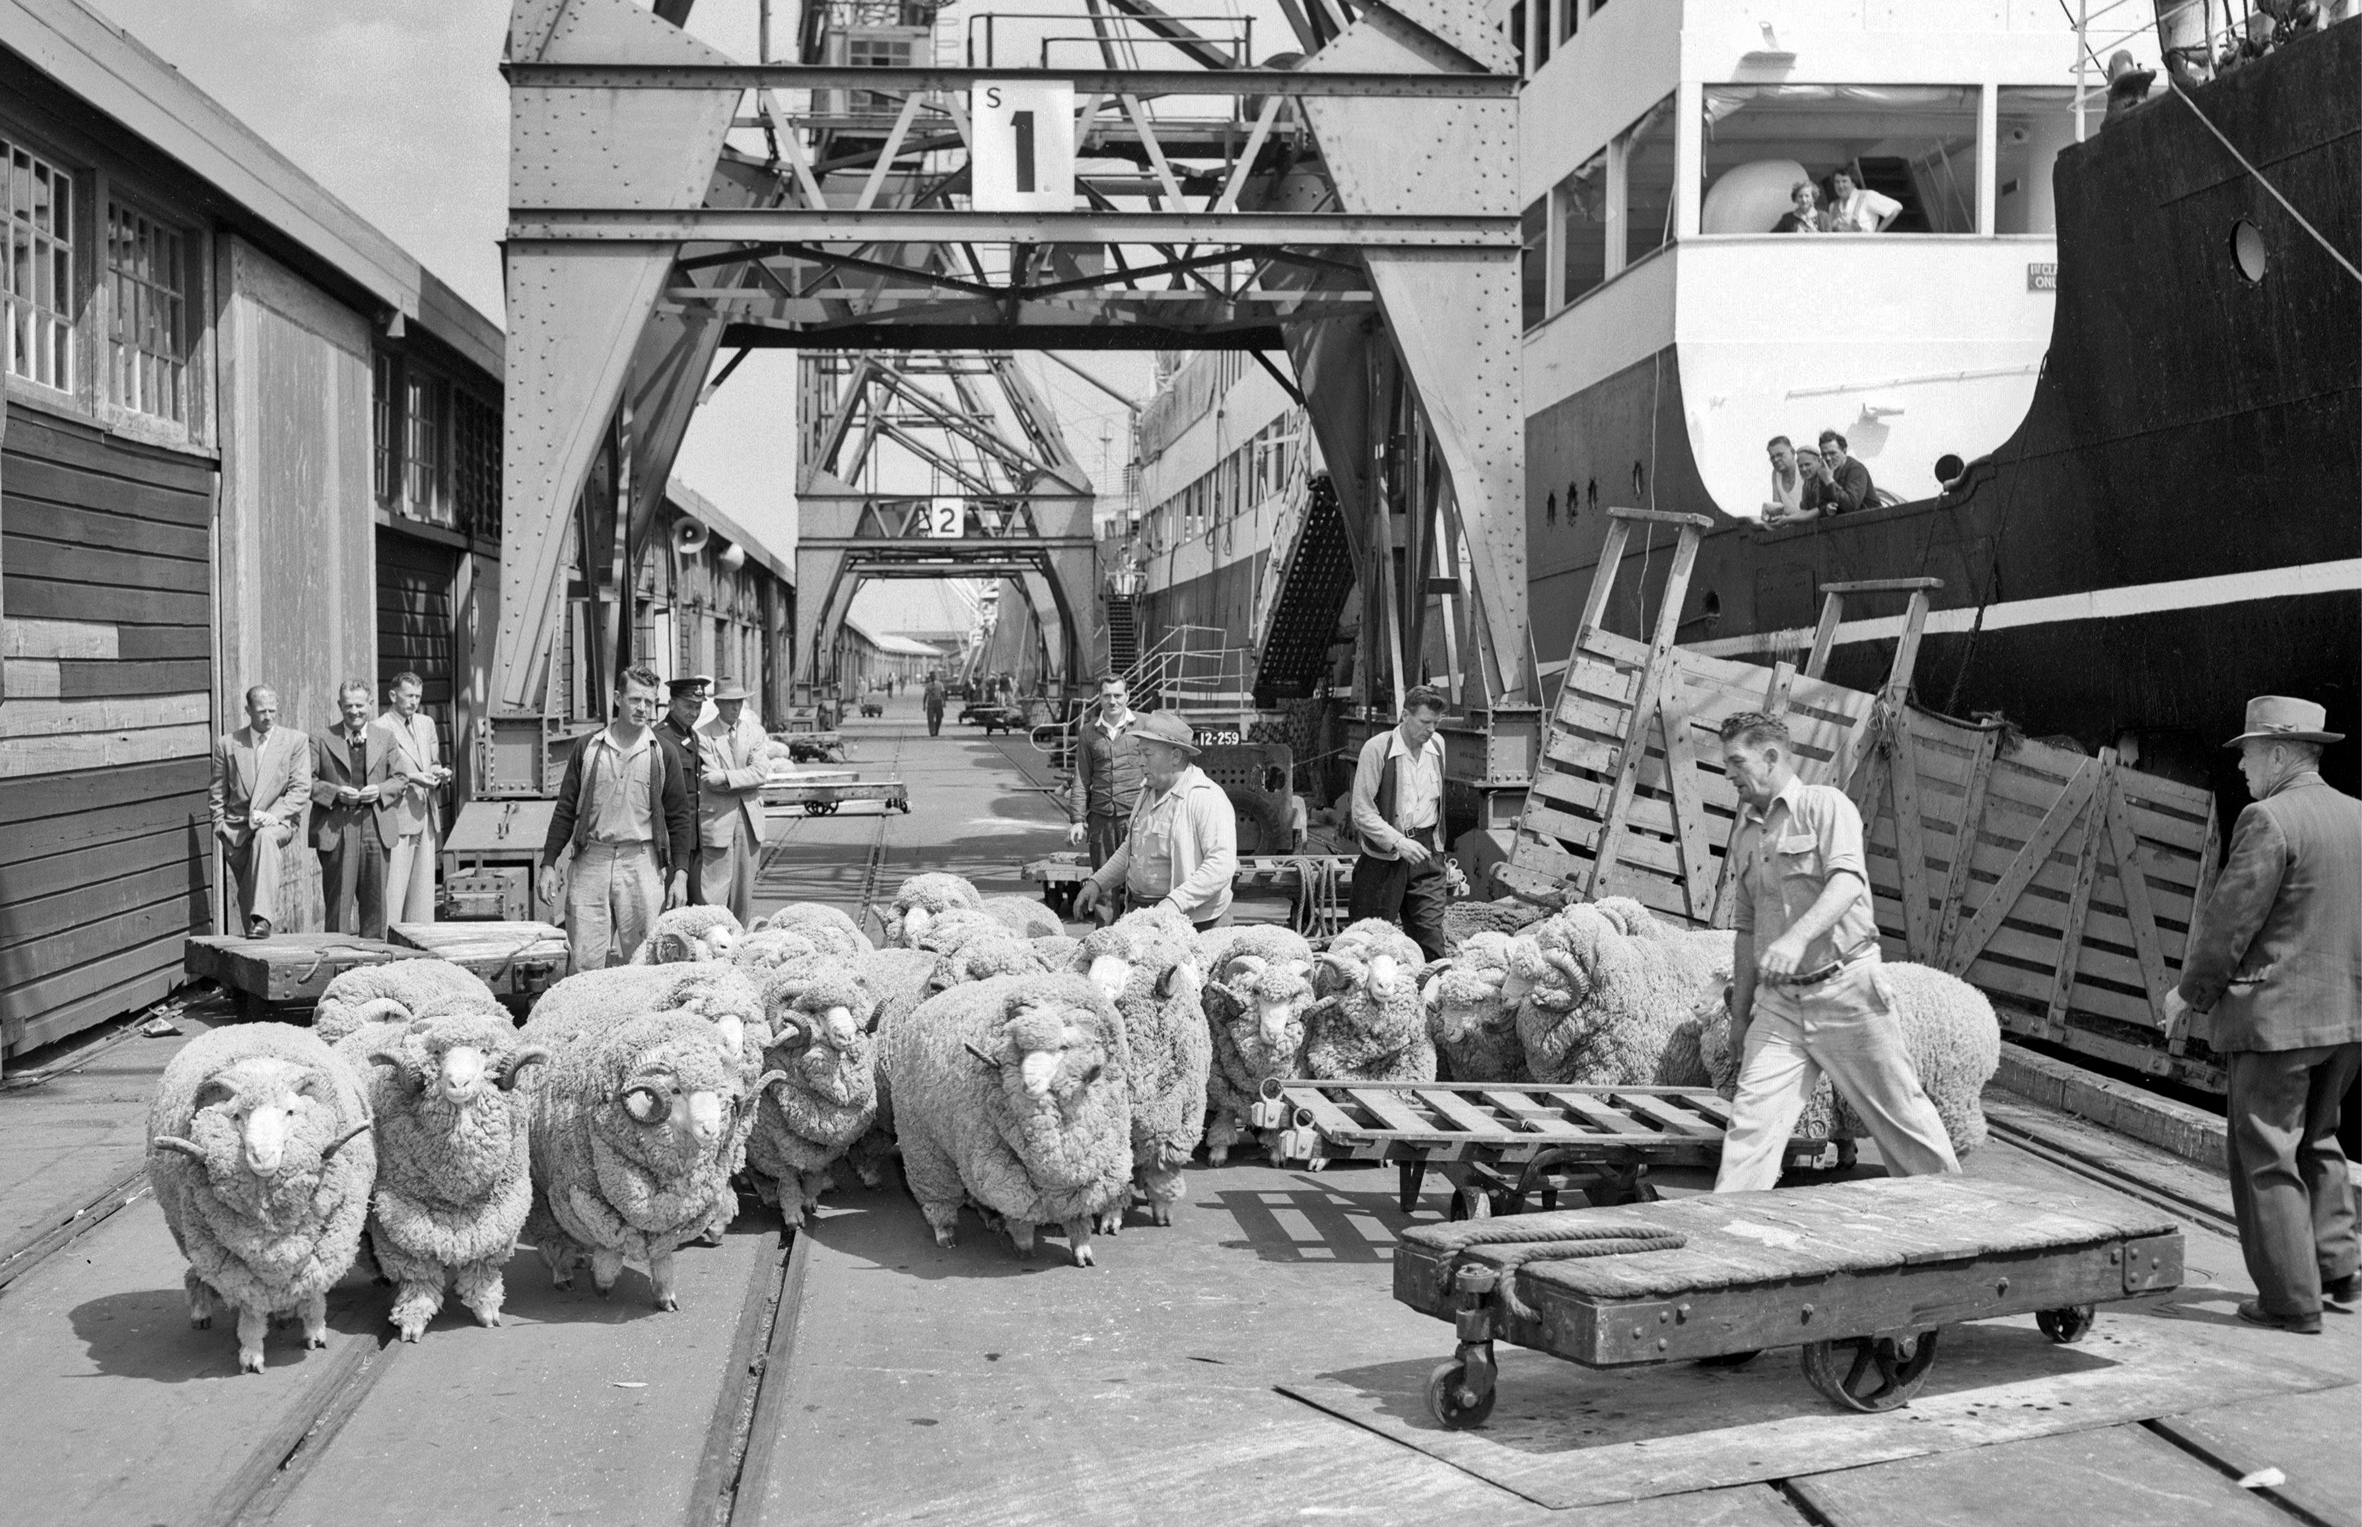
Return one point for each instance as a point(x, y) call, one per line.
point(1556, 1243)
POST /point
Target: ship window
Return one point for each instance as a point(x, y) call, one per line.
point(2031, 124)
point(1914, 145)
point(1582, 226)
point(2247, 251)
point(1648, 181)
point(1534, 266)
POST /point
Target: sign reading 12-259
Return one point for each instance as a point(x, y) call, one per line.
point(1022, 153)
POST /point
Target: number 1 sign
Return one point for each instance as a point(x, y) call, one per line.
point(1023, 155)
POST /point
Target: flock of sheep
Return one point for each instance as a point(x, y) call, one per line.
point(1037, 1078)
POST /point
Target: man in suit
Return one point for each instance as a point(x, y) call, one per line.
point(344, 819)
point(734, 756)
point(676, 733)
point(262, 780)
point(403, 745)
point(2277, 959)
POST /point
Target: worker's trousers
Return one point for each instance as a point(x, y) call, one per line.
point(410, 877)
point(726, 873)
point(1397, 889)
point(1103, 835)
point(257, 867)
point(1844, 1026)
point(613, 892)
point(352, 880)
point(2288, 1176)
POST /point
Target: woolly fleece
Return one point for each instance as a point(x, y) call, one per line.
point(1611, 988)
point(1360, 1029)
point(1172, 1050)
point(1470, 1015)
point(826, 1097)
point(421, 986)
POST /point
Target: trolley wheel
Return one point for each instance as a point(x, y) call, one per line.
point(2071, 1323)
point(1870, 1372)
point(1610, 1189)
point(1452, 1402)
point(1470, 1203)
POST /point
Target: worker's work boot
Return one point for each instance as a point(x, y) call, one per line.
point(2342, 1293)
point(2253, 1312)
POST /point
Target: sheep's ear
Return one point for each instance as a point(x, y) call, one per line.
point(1166, 982)
point(212, 1094)
point(1300, 967)
point(530, 1055)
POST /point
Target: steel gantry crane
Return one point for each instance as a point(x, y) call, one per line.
point(1354, 204)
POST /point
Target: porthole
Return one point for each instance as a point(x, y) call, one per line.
point(2248, 253)
point(1950, 469)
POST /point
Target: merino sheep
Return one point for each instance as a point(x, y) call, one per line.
point(1013, 1095)
point(830, 927)
point(686, 935)
point(1255, 1013)
point(1610, 990)
point(767, 948)
point(1152, 978)
point(897, 977)
point(1368, 1024)
point(1056, 949)
point(262, 1162)
point(1949, 1029)
point(414, 988)
point(1218, 948)
point(635, 1132)
point(1023, 916)
point(919, 899)
point(1472, 1001)
point(827, 1096)
point(454, 1172)
point(590, 1001)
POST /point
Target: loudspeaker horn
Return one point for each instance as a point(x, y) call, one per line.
point(689, 537)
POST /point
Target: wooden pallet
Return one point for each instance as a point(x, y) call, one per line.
point(1499, 1143)
point(1999, 859)
point(286, 970)
point(516, 959)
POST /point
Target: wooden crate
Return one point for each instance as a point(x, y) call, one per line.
point(286, 969)
point(518, 960)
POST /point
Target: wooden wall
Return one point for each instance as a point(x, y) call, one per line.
point(298, 514)
point(105, 629)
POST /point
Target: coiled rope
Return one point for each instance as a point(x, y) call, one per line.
point(1558, 1243)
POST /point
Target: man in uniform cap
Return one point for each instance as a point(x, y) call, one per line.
point(734, 756)
point(1181, 850)
point(2276, 958)
point(677, 734)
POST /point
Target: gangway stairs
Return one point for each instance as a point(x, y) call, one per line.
point(1312, 585)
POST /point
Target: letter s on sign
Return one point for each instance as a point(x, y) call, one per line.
point(992, 96)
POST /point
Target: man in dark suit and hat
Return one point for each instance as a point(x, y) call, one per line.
point(2276, 958)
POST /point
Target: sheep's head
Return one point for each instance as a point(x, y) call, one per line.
point(671, 1096)
point(451, 1063)
point(724, 996)
point(1050, 1051)
point(1139, 958)
point(1278, 994)
point(1560, 960)
point(687, 935)
point(262, 1120)
point(919, 900)
point(1373, 955)
point(1470, 993)
point(820, 1035)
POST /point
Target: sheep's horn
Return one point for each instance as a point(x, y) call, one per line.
point(990, 1060)
point(176, 1143)
point(528, 1056)
point(345, 1139)
point(383, 1058)
point(769, 1080)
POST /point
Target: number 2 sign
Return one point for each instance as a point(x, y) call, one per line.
point(1022, 158)
point(942, 519)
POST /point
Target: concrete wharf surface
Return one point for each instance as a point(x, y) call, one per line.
point(908, 1383)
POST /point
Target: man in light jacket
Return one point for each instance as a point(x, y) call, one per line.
point(2276, 957)
point(1181, 850)
point(262, 781)
point(1398, 815)
point(406, 756)
point(734, 757)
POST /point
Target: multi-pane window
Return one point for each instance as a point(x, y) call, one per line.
point(37, 278)
point(422, 451)
point(147, 277)
point(385, 399)
point(475, 463)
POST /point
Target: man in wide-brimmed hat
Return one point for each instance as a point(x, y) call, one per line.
point(1181, 850)
point(2276, 958)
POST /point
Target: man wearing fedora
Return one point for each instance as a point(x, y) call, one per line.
point(734, 757)
point(1181, 850)
point(2276, 958)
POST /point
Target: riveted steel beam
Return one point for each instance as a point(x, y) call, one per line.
point(1256, 335)
point(939, 225)
point(1142, 83)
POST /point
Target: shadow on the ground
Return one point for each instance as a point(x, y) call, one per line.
point(145, 1333)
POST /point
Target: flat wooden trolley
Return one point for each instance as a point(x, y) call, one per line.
point(821, 794)
point(1502, 1145)
point(1860, 1275)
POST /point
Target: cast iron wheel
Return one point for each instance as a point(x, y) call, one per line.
point(1607, 1191)
point(1461, 1208)
point(2070, 1323)
point(1449, 1401)
point(1870, 1372)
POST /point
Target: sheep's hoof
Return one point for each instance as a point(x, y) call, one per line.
point(1160, 1214)
point(945, 1236)
point(1108, 1221)
point(250, 1361)
point(315, 1341)
point(557, 1282)
point(486, 1317)
point(1217, 1155)
point(870, 1176)
point(605, 1290)
point(408, 1333)
point(667, 1302)
point(201, 1322)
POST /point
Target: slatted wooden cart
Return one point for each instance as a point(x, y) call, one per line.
point(282, 976)
point(1501, 1145)
point(518, 960)
point(1860, 1275)
point(825, 794)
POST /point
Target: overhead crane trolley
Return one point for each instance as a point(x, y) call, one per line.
point(1861, 1276)
point(1502, 1145)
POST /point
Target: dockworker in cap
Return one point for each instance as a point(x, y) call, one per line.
point(2276, 959)
point(1181, 850)
point(734, 757)
point(677, 733)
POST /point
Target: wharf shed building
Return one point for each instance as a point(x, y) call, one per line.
point(246, 439)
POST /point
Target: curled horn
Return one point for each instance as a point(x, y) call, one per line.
point(767, 1081)
point(176, 1143)
point(345, 1139)
point(528, 1056)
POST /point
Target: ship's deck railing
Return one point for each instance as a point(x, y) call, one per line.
point(1188, 669)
